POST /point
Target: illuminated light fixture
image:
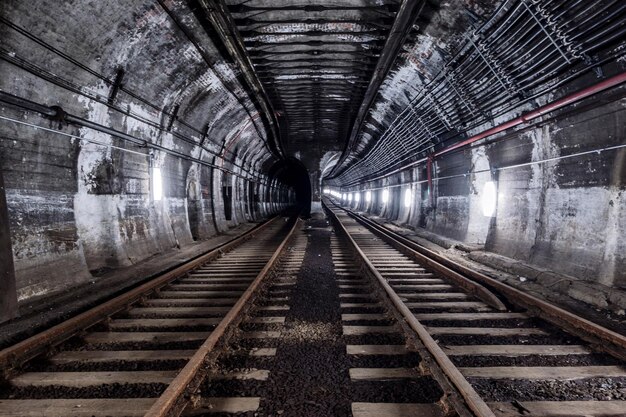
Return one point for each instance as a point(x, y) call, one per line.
point(344, 196)
point(157, 184)
point(349, 197)
point(408, 197)
point(385, 196)
point(326, 191)
point(357, 197)
point(489, 199)
point(368, 196)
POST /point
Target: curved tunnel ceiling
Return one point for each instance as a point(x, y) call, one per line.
point(389, 81)
point(476, 64)
point(315, 60)
point(252, 82)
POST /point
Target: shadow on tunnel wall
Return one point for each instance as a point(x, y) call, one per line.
point(292, 173)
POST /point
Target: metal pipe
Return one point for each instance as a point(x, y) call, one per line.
point(555, 105)
point(402, 25)
point(57, 114)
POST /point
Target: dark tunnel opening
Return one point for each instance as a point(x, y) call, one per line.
point(293, 173)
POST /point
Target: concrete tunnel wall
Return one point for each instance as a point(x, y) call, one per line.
point(78, 208)
point(557, 223)
point(79, 200)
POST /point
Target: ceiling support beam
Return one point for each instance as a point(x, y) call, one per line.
point(216, 13)
point(402, 26)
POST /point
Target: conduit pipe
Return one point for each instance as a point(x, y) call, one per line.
point(550, 107)
point(58, 115)
point(555, 105)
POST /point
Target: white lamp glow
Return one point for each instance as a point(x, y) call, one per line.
point(408, 197)
point(368, 196)
point(489, 198)
point(385, 195)
point(157, 184)
point(357, 197)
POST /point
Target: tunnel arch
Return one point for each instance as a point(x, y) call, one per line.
point(293, 173)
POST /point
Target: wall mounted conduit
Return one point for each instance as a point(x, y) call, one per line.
point(56, 114)
point(548, 108)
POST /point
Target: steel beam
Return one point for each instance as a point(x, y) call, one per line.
point(402, 26)
point(217, 15)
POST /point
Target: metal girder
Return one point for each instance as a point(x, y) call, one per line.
point(378, 22)
point(402, 26)
point(261, 44)
point(371, 32)
point(243, 8)
point(259, 61)
point(217, 15)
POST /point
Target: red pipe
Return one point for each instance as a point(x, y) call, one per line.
point(555, 105)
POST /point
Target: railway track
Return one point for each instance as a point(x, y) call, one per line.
point(291, 320)
point(145, 352)
point(494, 350)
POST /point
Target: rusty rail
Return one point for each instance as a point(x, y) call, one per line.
point(168, 404)
point(473, 401)
point(603, 338)
point(16, 355)
point(468, 285)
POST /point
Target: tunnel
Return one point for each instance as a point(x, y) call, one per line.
point(440, 175)
point(293, 174)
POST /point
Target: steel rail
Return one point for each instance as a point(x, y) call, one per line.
point(475, 403)
point(468, 285)
point(602, 338)
point(459, 279)
point(169, 403)
point(18, 354)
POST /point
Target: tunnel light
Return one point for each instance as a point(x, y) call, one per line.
point(344, 196)
point(157, 184)
point(408, 197)
point(368, 196)
point(385, 196)
point(357, 197)
point(326, 191)
point(349, 197)
point(489, 198)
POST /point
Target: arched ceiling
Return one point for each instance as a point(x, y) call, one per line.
point(319, 61)
point(382, 82)
point(388, 81)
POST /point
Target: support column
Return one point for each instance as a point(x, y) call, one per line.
point(8, 292)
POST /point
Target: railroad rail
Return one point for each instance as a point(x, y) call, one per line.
point(174, 323)
point(515, 357)
point(277, 323)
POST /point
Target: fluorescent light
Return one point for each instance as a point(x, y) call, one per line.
point(489, 198)
point(357, 197)
point(368, 196)
point(408, 198)
point(385, 195)
point(349, 197)
point(157, 184)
